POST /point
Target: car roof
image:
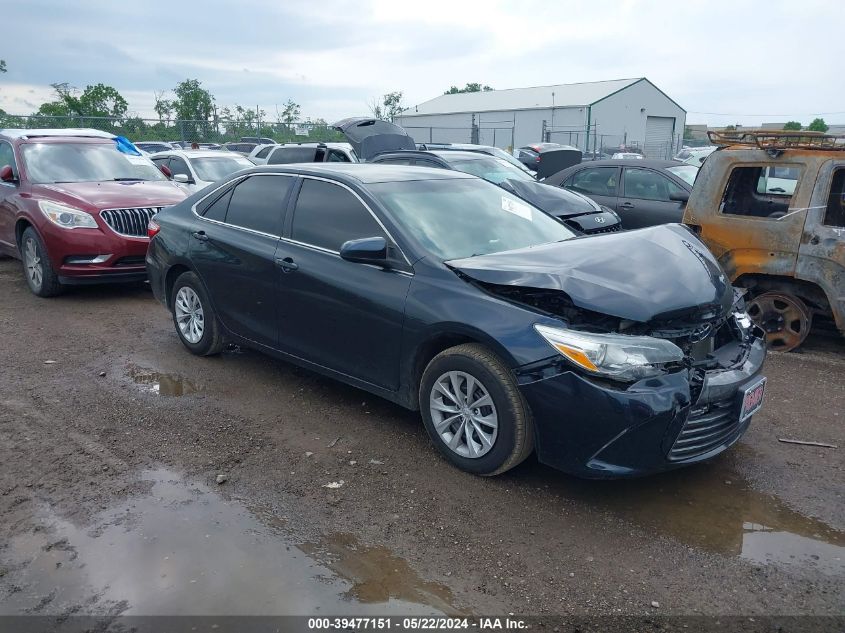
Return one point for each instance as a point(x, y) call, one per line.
point(365, 173)
point(194, 153)
point(23, 133)
point(456, 154)
point(654, 163)
point(330, 144)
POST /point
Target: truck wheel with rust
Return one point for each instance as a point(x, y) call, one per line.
point(785, 318)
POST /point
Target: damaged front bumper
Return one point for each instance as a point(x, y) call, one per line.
point(598, 429)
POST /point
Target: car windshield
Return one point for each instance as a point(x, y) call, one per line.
point(687, 173)
point(85, 162)
point(216, 168)
point(463, 217)
point(491, 168)
point(503, 155)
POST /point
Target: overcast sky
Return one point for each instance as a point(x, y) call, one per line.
point(724, 61)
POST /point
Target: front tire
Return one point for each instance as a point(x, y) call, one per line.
point(473, 411)
point(38, 270)
point(194, 318)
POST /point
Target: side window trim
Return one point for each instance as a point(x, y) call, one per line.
point(295, 196)
point(223, 189)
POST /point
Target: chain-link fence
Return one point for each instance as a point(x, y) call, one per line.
point(178, 130)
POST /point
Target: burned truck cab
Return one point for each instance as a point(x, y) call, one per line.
point(770, 205)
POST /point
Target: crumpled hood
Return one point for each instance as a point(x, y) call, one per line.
point(553, 200)
point(659, 273)
point(93, 196)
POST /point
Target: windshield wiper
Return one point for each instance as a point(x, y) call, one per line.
point(125, 179)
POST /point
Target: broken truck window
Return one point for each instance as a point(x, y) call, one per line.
point(762, 192)
point(835, 212)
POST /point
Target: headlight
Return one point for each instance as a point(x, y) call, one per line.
point(616, 356)
point(66, 217)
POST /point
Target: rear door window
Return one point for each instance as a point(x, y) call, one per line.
point(263, 153)
point(217, 209)
point(257, 202)
point(336, 156)
point(598, 181)
point(756, 191)
point(327, 215)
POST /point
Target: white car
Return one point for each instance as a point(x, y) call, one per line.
point(694, 155)
point(626, 156)
point(289, 153)
point(196, 169)
point(259, 153)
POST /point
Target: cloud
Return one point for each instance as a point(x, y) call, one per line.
point(332, 57)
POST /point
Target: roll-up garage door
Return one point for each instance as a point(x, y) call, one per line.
point(659, 133)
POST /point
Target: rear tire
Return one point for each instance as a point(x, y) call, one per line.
point(194, 318)
point(784, 317)
point(38, 270)
point(474, 412)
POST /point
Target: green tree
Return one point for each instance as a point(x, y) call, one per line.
point(163, 107)
point(102, 101)
point(2, 65)
point(730, 128)
point(818, 125)
point(290, 112)
point(470, 87)
point(194, 105)
point(792, 125)
point(392, 102)
point(687, 132)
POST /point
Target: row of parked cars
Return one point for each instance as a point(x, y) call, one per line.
point(447, 280)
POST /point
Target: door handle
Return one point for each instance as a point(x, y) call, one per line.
point(626, 205)
point(287, 264)
point(200, 235)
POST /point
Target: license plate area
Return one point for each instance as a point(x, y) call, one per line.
point(752, 399)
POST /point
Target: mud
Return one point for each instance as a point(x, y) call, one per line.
point(183, 549)
point(109, 458)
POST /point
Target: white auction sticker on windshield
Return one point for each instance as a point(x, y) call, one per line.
point(517, 208)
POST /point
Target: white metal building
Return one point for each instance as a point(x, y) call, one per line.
point(590, 116)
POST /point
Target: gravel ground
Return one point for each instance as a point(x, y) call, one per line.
point(96, 393)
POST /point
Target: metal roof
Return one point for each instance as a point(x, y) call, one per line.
point(559, 96)
point(70, 131)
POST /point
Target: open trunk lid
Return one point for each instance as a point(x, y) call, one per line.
point(369, 136)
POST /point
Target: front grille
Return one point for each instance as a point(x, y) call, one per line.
point(609, 229)
point(707, 427)
point(129, 222)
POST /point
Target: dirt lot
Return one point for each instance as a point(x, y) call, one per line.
point(112, 437)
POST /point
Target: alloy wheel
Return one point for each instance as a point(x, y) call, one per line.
point(463, 414)
point(189, 314)
point(32, 263)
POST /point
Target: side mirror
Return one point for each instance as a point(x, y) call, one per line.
point(165, 170)
point(6, 174)
point(368, 250)
point(681, 196)
point(183, 178)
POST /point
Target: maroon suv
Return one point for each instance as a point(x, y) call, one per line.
point(74, 206)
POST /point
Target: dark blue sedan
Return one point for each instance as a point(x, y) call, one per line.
point(614, 355)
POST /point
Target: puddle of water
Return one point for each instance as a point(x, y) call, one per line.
point(185, 550)
point(377, 574)
point(160, 383)
point(712, 507)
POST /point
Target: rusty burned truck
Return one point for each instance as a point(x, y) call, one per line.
point(771, 206)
